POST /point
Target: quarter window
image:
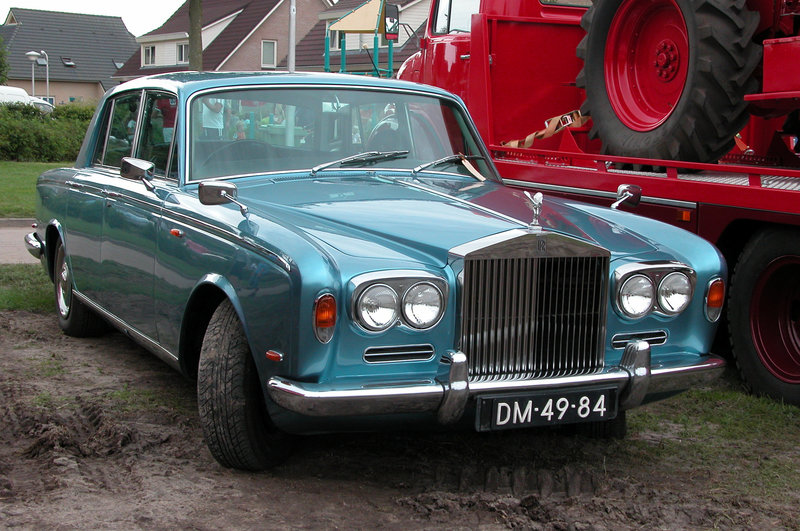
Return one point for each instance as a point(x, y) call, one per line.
point(268, 54)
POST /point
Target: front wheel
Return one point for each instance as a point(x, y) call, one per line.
point(764, 314)
point(666, 79)
point(236, 426)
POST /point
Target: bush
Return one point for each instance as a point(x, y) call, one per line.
point(30, 136)
point(74, 111)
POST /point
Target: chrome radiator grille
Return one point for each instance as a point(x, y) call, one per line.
point(535, 315)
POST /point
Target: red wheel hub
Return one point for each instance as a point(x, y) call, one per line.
point(667, 60)
point(775, 318)
point(646, 62)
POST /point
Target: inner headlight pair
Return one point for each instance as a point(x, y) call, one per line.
point(655, 289)
point(417, 303)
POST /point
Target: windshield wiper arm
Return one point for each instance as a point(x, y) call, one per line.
point(367, 156)
point(444, 160)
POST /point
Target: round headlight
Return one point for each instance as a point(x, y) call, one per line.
point(674, 293)
point(422, 305)
point(377, 307)
point(636, 296)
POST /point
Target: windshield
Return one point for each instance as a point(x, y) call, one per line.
point(262, 130)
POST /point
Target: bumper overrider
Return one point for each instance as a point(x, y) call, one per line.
point(34, 245)
point(635, 378)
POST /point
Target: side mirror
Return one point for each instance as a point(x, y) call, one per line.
point(220, 193)
point(217, 193)
point(391, 22)
point(628, 194)
point(137, 170)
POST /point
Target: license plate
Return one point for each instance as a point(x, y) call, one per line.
point(502, 412)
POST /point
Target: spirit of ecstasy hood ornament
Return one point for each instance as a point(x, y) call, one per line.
point(536, 205)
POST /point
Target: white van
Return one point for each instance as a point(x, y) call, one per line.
point(18, 95)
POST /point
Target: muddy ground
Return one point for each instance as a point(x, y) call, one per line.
point(97, 433)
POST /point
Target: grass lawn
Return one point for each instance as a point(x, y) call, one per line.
point(25, 287)
point(18, 186)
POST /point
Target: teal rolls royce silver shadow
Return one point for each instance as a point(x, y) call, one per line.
point(333, 252)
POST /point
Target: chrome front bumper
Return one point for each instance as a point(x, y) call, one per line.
point(34, 245)
point(634, 378)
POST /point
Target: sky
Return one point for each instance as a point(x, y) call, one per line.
point(140, 16)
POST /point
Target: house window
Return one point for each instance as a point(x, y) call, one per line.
point(183, 53)
point(268, 54)
point(149, 55)
point(334, 37)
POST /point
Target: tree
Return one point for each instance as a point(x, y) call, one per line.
point(3, 63)
point(195, 35)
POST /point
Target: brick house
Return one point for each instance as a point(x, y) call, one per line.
point(237, 35)
point(310, 52)
point(84, 51)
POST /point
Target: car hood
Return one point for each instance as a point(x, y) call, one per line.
point(400, 217)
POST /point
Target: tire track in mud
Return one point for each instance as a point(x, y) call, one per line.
point(85, 447)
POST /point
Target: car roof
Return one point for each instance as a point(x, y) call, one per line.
point(186, 83)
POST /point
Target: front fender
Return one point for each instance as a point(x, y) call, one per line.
point(411, 69)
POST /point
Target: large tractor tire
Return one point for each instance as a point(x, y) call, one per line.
point(764, 314)
point(666, 79)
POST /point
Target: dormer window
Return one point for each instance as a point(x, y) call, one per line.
point(148, 55)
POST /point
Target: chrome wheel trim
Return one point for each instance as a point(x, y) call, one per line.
point(63, 286)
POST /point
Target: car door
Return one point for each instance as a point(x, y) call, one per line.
point(83, 224)
point(447, 45)
point(131, 218)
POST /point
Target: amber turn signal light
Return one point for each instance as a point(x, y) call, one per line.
point(715, 298)
point(324, 317)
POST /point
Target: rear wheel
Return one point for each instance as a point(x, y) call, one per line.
point(74, 317)
point(764, 314)
point(666, 79)
point(233, 414)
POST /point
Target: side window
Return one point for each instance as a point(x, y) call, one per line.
point(173, 163)
point(121, 120)
point(454, 16)
point(158, 128)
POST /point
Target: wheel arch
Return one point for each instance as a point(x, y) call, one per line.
point(735, 236)
point(209, 292)
point(53, 234)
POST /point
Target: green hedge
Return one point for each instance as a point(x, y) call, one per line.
point(30, 136)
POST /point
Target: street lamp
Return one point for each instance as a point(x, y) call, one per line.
point(34, 57)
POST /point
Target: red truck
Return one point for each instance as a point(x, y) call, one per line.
point(693, 104)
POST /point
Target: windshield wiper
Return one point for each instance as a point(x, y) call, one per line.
point(444, 160)
point(367, 156)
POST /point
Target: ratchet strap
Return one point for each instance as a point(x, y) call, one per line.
point(552, 126)
point(742, 145)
